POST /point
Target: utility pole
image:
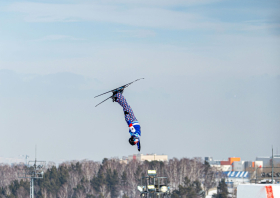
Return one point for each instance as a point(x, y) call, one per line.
point(26, 157)
point(33, 170)
point(272, 167)
point(256, 174)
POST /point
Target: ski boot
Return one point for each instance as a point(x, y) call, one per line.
point(120, 90)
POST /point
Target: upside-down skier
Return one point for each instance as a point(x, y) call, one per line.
point(134, 127)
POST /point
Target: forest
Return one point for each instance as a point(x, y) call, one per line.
point(108, 179)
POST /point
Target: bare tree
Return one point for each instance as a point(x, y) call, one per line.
point(63, 191)
point(44, 192)
point(90, 169)
point(21, 193)
point(82, 178)
point(8, 174)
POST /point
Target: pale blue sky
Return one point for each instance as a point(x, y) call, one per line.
point(211, 67)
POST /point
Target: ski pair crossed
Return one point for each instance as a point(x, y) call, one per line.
point(114, 90)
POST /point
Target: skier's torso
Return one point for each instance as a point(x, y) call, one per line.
point(137, 128)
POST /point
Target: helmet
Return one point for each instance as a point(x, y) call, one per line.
point(131, 141)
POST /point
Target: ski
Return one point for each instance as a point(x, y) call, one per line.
point(103, 101)
point(121, 87)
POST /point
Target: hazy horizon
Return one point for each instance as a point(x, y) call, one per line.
point(211, 69)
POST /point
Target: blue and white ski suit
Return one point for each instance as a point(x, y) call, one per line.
point(130, 119)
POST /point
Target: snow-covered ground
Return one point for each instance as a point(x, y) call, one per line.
point(211, 192)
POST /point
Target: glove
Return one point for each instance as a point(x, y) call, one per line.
point(131, 128)
point(136, 140)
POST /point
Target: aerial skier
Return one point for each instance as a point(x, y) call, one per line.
point(133, 124)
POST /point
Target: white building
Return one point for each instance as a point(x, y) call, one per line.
point(258, 164)
point(223, 167)
point(238, 166)
point(267, 161)
point(148, 157)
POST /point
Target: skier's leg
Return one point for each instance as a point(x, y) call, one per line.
point(128, 113)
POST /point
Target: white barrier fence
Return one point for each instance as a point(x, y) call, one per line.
point(258, 191)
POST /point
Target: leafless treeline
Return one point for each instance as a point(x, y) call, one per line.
point(111, 178)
